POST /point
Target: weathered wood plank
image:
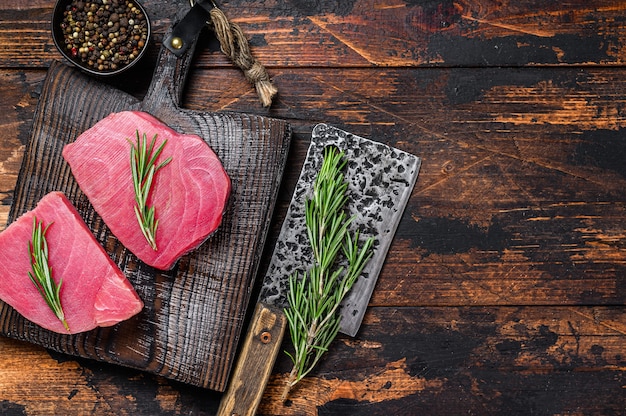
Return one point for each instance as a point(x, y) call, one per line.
point(468, 361)
point(369, 33)
point(19, 99)
point(440, 361)
point(56, 384)
point(520, 204)
point(520, 197)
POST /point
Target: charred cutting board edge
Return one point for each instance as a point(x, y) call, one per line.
point(195, 312)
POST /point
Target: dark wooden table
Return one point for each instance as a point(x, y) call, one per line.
point(505, 287)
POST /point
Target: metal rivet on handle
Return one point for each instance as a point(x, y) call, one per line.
point(266, 337)
point(176, 43)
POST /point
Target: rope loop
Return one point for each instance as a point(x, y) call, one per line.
point(234, 44)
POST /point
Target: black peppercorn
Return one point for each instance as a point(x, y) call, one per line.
point(104, 35)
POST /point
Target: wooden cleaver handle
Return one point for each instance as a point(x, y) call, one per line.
point(255, 362)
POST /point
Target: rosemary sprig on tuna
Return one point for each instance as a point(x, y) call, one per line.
point(143, 167)
point(314, 298)
point(41, 273)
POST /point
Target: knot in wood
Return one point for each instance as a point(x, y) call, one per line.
point(447, 167)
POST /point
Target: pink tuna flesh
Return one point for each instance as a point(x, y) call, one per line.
point(94, 292)
point(189, 194)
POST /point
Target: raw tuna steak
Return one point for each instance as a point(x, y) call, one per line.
point(94, 291)
point(189, 194)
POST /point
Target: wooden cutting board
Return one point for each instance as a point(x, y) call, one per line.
point(193, 315)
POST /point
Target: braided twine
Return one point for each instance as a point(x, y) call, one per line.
point(234, 44)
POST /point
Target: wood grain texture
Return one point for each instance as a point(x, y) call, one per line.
point(468, 360)
point(520, 200)
point(360, 33)
point(503, 292)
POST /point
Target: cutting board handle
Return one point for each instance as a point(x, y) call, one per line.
point(168, 81)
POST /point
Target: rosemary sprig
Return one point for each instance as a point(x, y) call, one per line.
point(41, 274)
point(143, 167)
point(315, 297)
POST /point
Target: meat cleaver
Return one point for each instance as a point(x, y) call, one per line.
point(380, 181)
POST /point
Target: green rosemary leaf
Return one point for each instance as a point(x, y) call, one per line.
point(314, 297)
point(41, 272)
point(143, 157)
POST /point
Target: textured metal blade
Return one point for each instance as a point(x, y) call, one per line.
point(380, 181)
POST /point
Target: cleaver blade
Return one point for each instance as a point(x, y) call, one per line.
point(380, 182)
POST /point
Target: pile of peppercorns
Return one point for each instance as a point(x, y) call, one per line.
point(104, 35)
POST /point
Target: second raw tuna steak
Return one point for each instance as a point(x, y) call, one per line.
point(94, 291)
